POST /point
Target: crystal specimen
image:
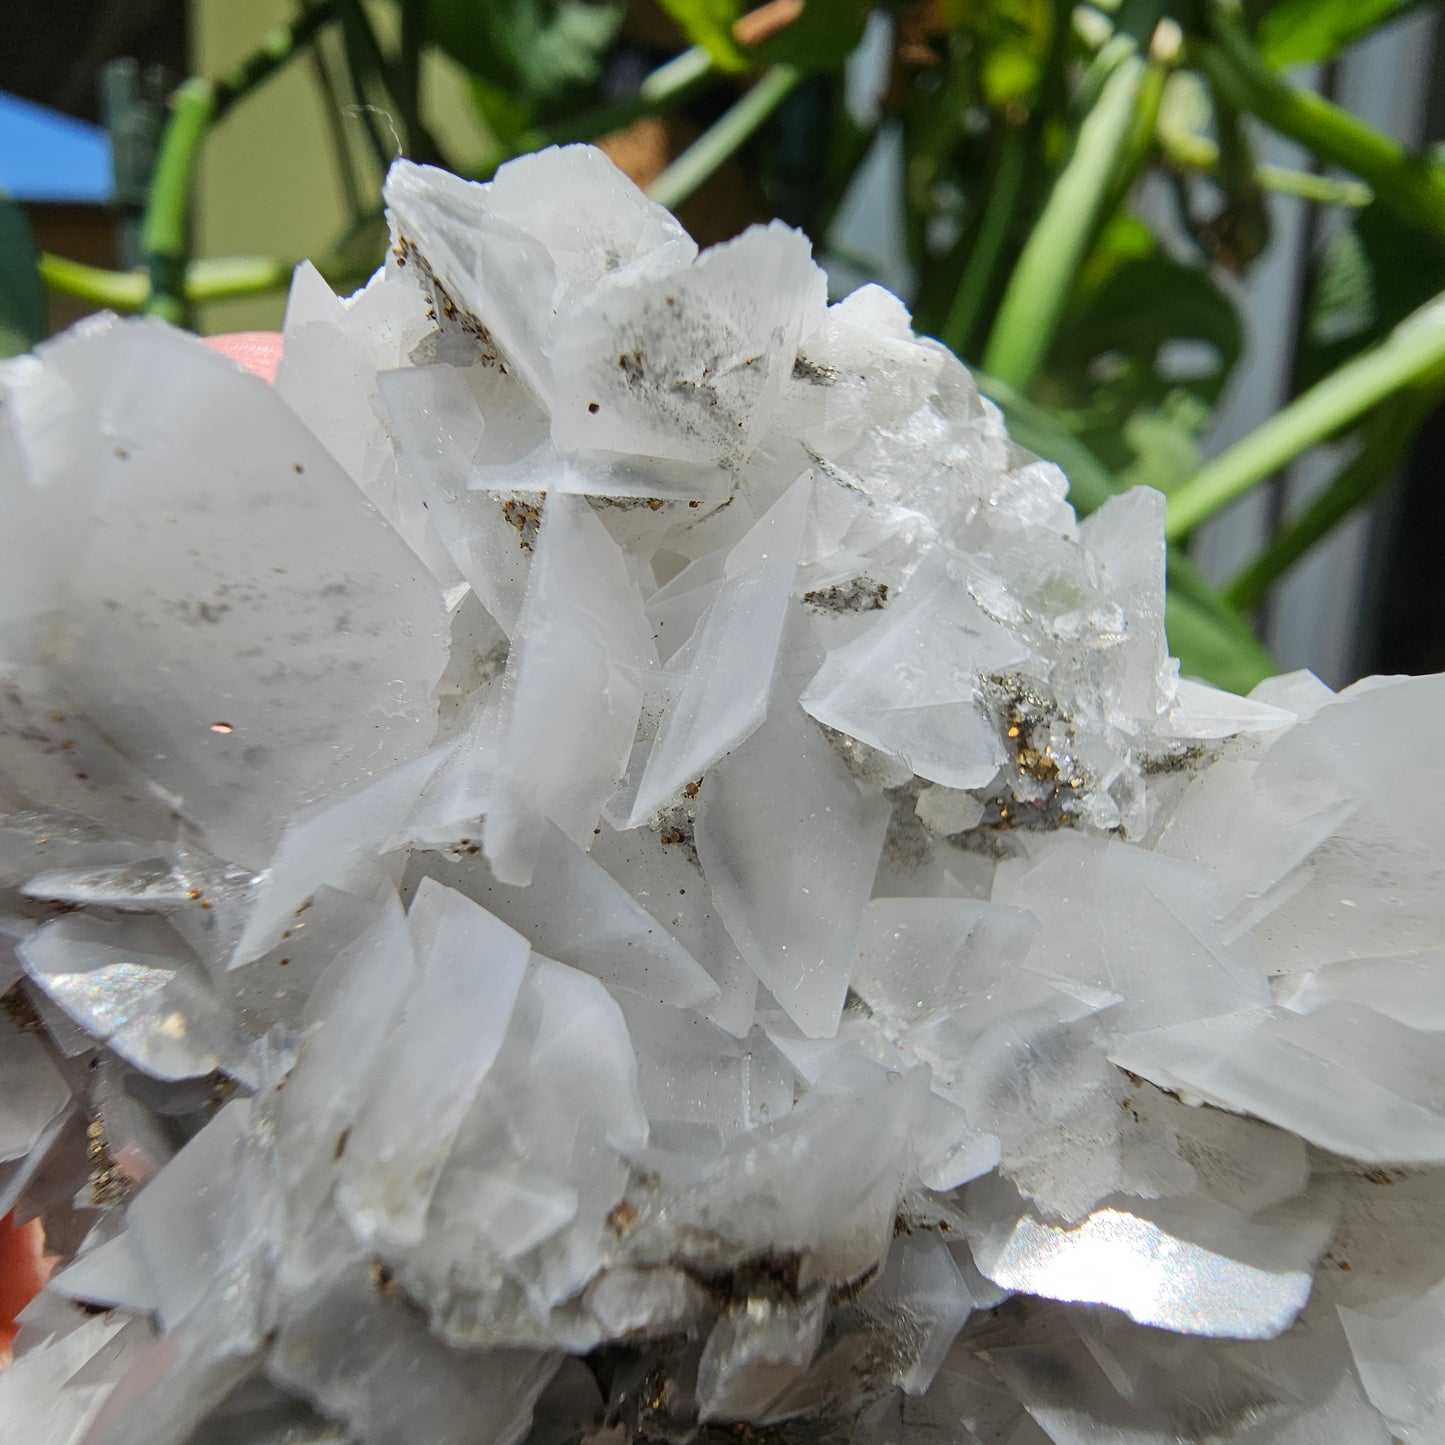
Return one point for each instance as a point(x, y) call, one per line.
point(610, 861)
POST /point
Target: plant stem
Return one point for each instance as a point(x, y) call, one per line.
point(1410, 355)
point(1100, 69)
point(398, 81)
point(276, 48)
point(370, 59)
point(1327, 190)
point(165, 226)
point(1237, 234)
point(363, 59)
point(1198, 153)
point(1041, 282)
point(1391, 431)
point(413, 33)
point(336, 132)
point(195, 106)
point(221, 278)
point(1407, 184)
point(721, 141)
point(993, 232)
point(1139, 142)
point(668, 85)
point(673, 79)
point(113, 290)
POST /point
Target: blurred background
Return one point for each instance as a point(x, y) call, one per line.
point(1151, 226)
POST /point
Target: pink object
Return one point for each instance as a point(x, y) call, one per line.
point(23, 1271)
point(258, 351)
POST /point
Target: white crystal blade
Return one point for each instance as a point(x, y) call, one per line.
point(729, 660)
point(790, 847)
point(428, 1070)
point(572, 692)
point(278, 641)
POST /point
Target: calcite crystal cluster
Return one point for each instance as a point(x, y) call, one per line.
point(610, 862)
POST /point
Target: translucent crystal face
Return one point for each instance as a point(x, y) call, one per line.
point(609, 860)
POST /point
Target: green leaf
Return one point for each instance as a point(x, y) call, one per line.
point(709, 23)
point(507, 119)
point(536, 52)
point(1145, 306)
point(22, 295)
point(940, 165)
point(1141, 362)
point(1303, 32)
point(1123, 239)
point(1211, 647)
point(1164, 444)
point(821, 38)
point(1208, 635)
point(1341, 303)
point(1013, 39)
point(1372, 275)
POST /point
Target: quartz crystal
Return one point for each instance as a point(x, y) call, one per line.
point(608, 861)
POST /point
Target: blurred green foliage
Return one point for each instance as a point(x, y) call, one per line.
point(22, 296)
point(1108, 333)
point(529, 59)
point(1300, 32)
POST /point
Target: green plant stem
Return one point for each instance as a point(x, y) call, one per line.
point(1041, 282)
point(1412, 354)
point(399, 81)
point(669, 85)
point(195, 106)
point(1328, 190)
point(363, 59)
point(1389, 434)
point(1237, 234)
point(113, 290)
point(369, 56)
point(165, 225)
point(1140, 140)
point(722, 140)
point(336, 132)
point(413, 33)
point(984, 257)
point(1100, 68)
point(676, 78)
point(1198, 153)
point(221, 278)
point(276, 48)
point(1411, 186)
point(1354, 484)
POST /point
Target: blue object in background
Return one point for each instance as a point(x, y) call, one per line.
point(50, 157)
